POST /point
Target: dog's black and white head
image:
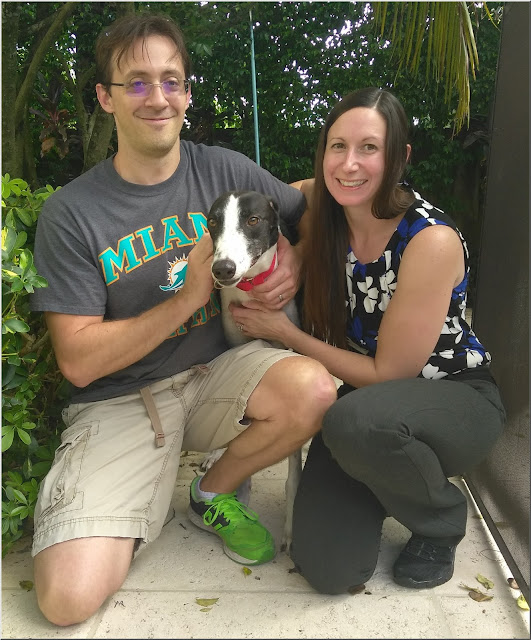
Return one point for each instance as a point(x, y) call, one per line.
point(243, 225)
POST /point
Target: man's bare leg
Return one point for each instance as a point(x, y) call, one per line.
point(286, 409)
point(74, 578)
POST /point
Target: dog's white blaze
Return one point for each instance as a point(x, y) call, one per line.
point(232, 242)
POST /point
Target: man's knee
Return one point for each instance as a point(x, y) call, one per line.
point(74, 578)
point(64, 604)
point(296, 391)
point(313, 389)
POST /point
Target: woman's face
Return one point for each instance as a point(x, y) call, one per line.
point(354, 158)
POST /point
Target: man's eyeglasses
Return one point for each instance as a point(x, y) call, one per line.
point(142, 89)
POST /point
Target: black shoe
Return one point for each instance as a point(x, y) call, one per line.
point(422, 564)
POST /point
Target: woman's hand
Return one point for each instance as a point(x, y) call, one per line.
point(282, 285)
point(259, 321)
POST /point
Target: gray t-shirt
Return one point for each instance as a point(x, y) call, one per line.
point(109, 247)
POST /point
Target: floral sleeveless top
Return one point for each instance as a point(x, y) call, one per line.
point(371, 286)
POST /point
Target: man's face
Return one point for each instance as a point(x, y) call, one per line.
point(150, 125)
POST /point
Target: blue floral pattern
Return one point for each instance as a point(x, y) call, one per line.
point(370, 287)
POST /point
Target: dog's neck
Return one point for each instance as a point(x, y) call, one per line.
point(255, 276)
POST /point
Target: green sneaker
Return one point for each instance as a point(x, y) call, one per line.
point(245, 540)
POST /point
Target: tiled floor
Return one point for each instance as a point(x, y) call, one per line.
point(158, 599)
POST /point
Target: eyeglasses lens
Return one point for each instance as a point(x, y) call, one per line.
point(144, 89)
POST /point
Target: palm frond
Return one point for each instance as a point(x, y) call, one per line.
point(446, 30)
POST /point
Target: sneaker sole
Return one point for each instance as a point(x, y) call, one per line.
point(197, 520)
point(413, 584)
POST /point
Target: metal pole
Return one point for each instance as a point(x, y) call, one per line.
point(255, 99)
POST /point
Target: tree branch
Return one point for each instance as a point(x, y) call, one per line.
point(25, 90)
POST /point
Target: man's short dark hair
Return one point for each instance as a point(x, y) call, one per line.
point(116, 40)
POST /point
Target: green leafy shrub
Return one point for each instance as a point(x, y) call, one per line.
point(32, 385)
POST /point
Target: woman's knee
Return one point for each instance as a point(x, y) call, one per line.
point(333, 577)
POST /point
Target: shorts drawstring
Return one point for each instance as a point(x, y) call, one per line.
point(153, 414)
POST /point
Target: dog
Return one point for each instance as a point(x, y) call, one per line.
point(244, 227)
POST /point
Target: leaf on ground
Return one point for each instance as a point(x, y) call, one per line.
point(479, 596)
point(476, 594)
point(206, 602)
point(512, 583)
point(27, 585)
point(357, 589)
point(488, 584)
point(205, 609)
point(522, 603)
point(246, 571)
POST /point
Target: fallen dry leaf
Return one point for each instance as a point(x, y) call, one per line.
point(512, 583)
point(27, 585)
point(357, 589)
point(246, 571)
point(479, 596)
point(476, 594)
point(205, 610)
point(522, 603)
point(488, 584)
point(206, 602)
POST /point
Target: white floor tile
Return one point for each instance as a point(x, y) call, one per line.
point(251, 615)
point(496, 618)
point(158, 598)
point(21, 618)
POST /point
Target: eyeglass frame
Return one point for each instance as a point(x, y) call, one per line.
point(186, 84)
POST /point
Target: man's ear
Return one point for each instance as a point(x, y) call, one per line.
point(408, 152)
point(104, 98)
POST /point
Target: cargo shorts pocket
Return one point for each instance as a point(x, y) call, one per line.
point(59, 489)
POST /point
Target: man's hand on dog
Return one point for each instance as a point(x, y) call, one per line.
point(282, 285)
point(198, 283)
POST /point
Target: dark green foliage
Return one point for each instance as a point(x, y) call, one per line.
point(31, 383)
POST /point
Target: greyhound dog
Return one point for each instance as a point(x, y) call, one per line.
point(244, 226)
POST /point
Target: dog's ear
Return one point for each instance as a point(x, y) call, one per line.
point(273, 203)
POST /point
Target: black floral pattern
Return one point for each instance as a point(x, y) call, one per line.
point(371, 286)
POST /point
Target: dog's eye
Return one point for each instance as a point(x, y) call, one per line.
point(211, 222)
point(253, 220)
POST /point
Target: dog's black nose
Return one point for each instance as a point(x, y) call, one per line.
point(224, 269)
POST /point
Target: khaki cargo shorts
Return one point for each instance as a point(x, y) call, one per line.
point(109, 477)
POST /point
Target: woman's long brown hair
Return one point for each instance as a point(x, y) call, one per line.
point(325, 251)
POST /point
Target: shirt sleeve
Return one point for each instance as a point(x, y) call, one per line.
point(61, 255)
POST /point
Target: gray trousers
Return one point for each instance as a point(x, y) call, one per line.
point(388, 450)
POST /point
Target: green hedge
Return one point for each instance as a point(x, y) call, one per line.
point(32, 386)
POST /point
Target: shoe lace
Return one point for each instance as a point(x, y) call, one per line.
point(229, 507)
point(421, 548)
